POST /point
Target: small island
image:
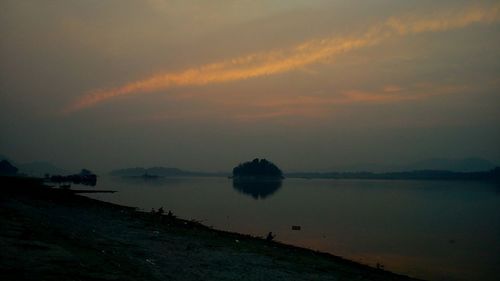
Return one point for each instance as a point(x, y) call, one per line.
point(258, 178)
point(257, 169)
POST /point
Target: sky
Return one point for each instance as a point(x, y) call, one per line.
point(204, 85)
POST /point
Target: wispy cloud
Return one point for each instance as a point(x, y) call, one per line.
point(292, 110)
point(387, 94)
point(297, 57)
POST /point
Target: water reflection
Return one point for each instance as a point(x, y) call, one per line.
point(257, 189)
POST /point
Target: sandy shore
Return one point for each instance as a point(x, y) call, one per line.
point(49, 234)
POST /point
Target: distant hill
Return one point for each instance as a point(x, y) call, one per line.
point(40, 168)
point(456, 165)
point(3, 157)
point(471, 164)
point(160, 171)
point(36, 169)
point(7, 169)
point(489, 175)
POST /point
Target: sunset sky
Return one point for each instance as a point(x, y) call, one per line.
point(204, 85)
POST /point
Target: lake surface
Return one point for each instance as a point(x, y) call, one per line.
point(437, 230)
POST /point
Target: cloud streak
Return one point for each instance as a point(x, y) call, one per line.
point(293, 58)
point(294, 109)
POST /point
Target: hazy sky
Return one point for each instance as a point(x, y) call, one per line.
point(203, 85)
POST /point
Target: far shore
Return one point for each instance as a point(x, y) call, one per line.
point(53, 234)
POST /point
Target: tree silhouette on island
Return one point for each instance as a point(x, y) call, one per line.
point(257, 169)
point(258, 178)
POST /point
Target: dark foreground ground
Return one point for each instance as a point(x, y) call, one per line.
point(51, 234)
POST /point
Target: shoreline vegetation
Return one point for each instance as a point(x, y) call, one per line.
point(490, 175)
point(53, 234)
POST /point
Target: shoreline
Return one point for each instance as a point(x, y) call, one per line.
point(64, 235)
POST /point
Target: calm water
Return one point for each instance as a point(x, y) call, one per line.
point(437, 230)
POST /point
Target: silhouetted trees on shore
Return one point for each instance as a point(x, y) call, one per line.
point(85, 177)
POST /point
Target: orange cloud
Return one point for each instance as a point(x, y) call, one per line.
point(445, 21)
point(281, 113)
point(386, 94)
point(284, 60)
point(318, 107)
point(291, 110)
point(392, 89)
